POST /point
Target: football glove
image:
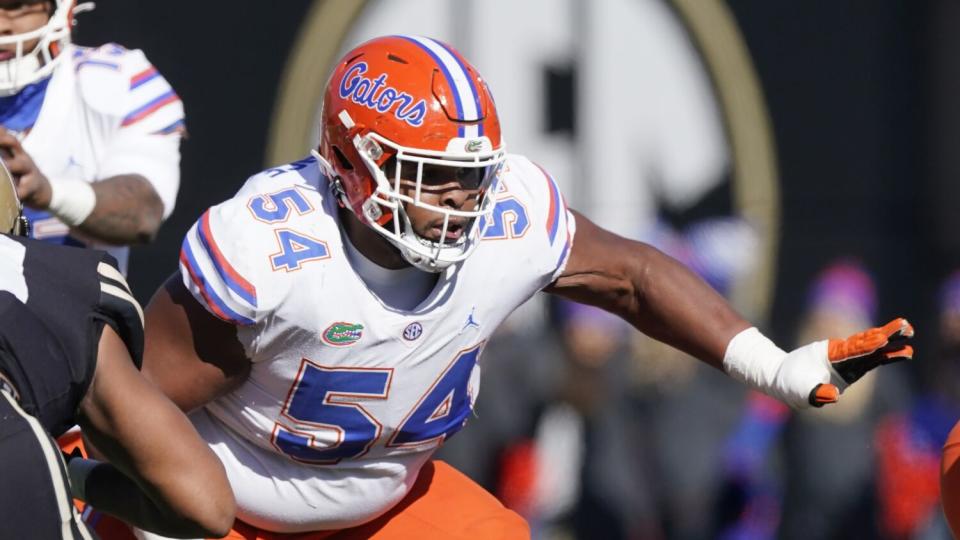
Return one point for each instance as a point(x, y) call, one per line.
point(853, 357)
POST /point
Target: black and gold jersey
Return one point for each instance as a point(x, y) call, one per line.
point(54, 301)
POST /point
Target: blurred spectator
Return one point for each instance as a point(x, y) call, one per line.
point(612, 498)
point(687, 409)
point(749, 502)
point(828, 463)
point(909, 440)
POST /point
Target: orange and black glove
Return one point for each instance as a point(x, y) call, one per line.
point(853, 357)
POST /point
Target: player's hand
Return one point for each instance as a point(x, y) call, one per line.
point(33, 187)
point(853, 357)
point(826, 368)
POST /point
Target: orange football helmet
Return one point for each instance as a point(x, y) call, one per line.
point(409, 101)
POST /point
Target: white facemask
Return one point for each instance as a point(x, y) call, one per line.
point(27, 67)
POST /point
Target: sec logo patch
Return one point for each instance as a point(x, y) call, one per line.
point(413, 331)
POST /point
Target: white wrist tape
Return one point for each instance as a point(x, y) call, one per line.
point(78, 470)
point(790, 377)
point(753, 359)
point(72, 201)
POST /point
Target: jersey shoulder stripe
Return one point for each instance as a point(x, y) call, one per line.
point(123, 84)
point(227, 272)
point(540, 194)
point(178, 126)
point(207, 290)
point(150, 107)
point(143, 77)
point(544, 195)
point(556, 208)
point(239, 258)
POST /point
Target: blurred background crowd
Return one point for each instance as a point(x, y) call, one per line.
point(799, 155)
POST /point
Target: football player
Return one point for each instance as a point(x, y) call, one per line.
point(71, 340)
point(327, 323)
point(91, 135)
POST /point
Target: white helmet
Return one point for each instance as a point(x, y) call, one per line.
point(28, 67)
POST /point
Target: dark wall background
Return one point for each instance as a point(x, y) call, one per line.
point(843, 82)
point(852, 87)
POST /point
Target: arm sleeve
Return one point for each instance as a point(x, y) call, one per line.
point(149, 118)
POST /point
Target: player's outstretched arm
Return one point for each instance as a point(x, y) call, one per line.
point(192, 356)
point(162, 477)
point(668, 302)
point(650, 290)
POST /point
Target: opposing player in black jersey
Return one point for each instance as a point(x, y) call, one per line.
point(71, 340)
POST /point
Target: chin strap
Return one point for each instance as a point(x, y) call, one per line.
point(336, 185)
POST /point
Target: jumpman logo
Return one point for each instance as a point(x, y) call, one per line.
point(471, 322)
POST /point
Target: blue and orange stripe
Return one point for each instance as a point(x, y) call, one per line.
point(210, 297)
point(152, 106)
point(556, 206)
point(178, 126)
point(235, 282)
point(144, 77)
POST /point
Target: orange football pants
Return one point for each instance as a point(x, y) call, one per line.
point(443, 503)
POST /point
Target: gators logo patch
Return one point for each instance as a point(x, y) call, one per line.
point(342, 334)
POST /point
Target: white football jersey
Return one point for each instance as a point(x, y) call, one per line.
point(106, 111)
point(348, 397)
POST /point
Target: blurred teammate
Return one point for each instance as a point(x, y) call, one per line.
point(327, 324)
point(91, 135)
point(71, 340)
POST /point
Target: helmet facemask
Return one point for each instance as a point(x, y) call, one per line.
point(398, 175)
point(27, 67)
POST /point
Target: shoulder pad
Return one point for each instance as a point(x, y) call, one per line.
point(531, 208)
point(303, 171)
point(123, 84)
point(538, 191)
point(240, 259)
